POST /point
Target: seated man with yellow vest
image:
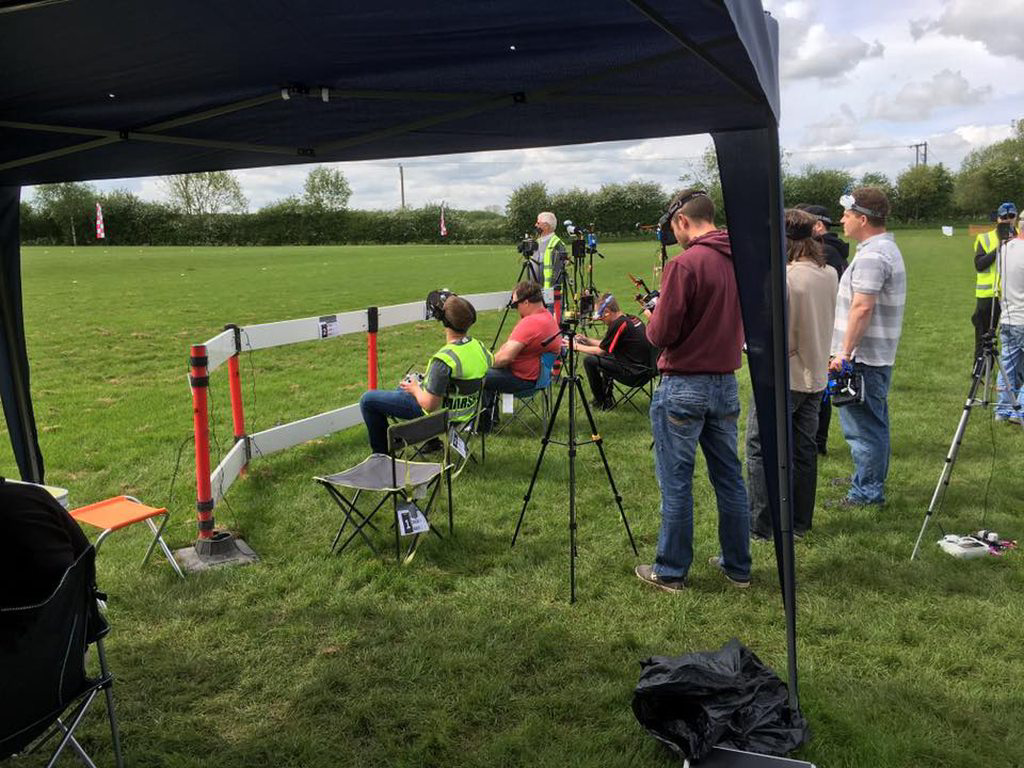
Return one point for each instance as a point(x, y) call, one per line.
point(460, 362)
point(986, 249)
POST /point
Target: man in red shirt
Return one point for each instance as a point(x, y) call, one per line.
point(697, 325)
point(516, 364)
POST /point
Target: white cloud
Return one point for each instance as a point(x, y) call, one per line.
point(809, 49)
point(917, 100)
point(839, 128)
point(997, 26)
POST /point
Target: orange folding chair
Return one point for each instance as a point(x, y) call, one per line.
point(120, 512)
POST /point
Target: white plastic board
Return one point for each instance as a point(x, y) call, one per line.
point(229, 468)
point(286, 435)
point(268, 335)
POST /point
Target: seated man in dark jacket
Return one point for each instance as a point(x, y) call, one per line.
point(624, 354)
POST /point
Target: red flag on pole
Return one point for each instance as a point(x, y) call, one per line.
point(444, 229)
point(100, 231)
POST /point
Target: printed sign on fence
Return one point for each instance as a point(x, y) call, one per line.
point(329, 326)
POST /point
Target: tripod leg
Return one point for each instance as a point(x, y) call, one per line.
point(954, 449)
point(540, 458)
point(604, 460)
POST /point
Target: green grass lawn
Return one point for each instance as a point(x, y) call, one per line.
point(472, 655)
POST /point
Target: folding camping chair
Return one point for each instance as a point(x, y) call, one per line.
point(121, 511)
point(528, 400)
point(643, 382)
point(42, 658)
point(393, 476)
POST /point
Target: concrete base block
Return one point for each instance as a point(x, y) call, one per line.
point(223, 549)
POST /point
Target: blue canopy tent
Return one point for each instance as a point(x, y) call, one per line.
point(117, 88)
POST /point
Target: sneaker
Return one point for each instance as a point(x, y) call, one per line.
point(841, 482)
point(737, 581)
point(758, 536)
point(646, 574)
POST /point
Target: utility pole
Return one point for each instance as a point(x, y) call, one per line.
point(401, 183)
point(920, 153)
point(74, 239)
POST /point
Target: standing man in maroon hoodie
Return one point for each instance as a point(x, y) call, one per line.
point(698, 327)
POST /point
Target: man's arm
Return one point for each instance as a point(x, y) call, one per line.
point(664, 325)
point(508, 352)
point(427, 401)
point(590, 349)
point(982, 259)
point(861, 309)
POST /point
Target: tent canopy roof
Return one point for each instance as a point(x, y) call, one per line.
point(121, 88)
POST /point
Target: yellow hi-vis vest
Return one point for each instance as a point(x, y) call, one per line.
point(985, 287)
point(549, 263)
point(468, 363)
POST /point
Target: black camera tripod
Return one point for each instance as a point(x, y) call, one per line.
point(986, 364)
point(573, 382)
point(528, 270)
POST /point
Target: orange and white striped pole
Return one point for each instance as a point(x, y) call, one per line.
point(199, 381)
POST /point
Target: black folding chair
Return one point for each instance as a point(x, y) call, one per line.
point(42, 665)
point(397, 479)
point(643, 383)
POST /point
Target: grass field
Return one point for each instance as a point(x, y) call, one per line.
point(471, 655)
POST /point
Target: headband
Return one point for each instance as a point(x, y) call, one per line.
point(850, 204)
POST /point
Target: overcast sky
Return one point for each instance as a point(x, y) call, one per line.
point(856, 77)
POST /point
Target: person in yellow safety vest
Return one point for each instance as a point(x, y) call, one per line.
point(986, 249)
point(549, 258)
point(454, 379)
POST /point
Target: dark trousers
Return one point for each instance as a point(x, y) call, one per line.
point(824, 419)
point(603, 369)
point(805, 465)
point(984, 321)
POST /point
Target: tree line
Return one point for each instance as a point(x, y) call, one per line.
point(210, 208)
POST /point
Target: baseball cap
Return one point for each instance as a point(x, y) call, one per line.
point(820, 212)
point(1006, 209)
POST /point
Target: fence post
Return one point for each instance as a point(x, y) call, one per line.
point(372, 324)
point(199, 381)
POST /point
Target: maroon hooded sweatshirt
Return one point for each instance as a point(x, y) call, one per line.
point(697, 322)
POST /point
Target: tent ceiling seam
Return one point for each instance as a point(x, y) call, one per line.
point(660, 21)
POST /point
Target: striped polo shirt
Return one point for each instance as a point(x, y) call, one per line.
point(877, 269)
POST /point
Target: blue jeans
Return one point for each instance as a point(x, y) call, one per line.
point(685, 411)
point(866, 429)
point(377, 404)
point(1011, 343)
point(503, 380)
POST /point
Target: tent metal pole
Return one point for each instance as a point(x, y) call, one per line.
point(226, 109)
point(492, 103)
point(42, 156)
point(780, 358)
point(268, 149)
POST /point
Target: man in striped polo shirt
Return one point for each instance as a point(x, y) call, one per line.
point(869, 320)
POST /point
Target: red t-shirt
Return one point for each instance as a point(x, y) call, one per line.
point(532, 331)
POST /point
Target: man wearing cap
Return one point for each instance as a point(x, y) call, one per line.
point(1010, 407)
point(869, 321)
point(837, 255)
point(624, 354)
point(986, 249)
